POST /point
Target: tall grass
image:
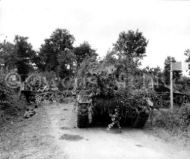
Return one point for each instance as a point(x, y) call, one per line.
point(10, 102)
point(176, 122)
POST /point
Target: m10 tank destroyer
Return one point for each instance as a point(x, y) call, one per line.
point(102, 90)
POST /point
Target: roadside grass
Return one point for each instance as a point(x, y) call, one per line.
point(173, 126)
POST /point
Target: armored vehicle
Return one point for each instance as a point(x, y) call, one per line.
point(102, 90)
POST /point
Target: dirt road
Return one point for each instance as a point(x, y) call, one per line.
point(52, 134)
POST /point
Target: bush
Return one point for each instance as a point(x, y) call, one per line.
point(178, 120)
point(168, 120)
point(10, 102)
point(184, 117)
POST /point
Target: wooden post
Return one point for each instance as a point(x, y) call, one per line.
point(171, 85)
point(144, 85)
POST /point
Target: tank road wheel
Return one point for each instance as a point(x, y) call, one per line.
point(82, 115)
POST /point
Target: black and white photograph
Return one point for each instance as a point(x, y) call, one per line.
point(94, 79)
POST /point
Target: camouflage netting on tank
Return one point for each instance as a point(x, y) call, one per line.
point(129, 106)
point(111, 94)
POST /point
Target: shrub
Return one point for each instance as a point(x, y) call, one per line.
point(178, 120)
point(184, 117)
point(168, 120)
point(10, 102)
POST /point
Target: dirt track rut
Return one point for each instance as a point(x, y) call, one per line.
point(52, 134)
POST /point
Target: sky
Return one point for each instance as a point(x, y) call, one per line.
point(164, 23)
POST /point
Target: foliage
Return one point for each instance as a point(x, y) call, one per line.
point(18, 55)
point(94, 77)
point(66, 61)
point(129, 49)
point(184, 116)
point(10, 102)
point(176, 74)
point(24, 55)
point(101, 80)
point(124, 105)
point(168, 120)
point(187, 53)
point(155, 71)
point(183, 85)
point(178, 120)
point(57, 53)
point(83, 51)
point(131, 46)
point(136, 99)
point(7, 54)
point(89, 64)
point(33, 82)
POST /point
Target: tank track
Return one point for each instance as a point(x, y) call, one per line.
point(141, 120)
point(82, 115)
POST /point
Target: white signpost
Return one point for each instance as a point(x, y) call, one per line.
point(171, 86)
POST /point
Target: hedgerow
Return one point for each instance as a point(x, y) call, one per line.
point(174, 121)
point(10, 102)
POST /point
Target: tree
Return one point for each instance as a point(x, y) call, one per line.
point(176, 74)
point(7, 55)
point(187, 54)
point(128, 50)
point(155, 71)
point(18, 55)
point(66, 60)
point(24, 55)
point(54, 52)
point(83, 51)
point(131, 46)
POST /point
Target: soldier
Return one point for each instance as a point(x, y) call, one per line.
point(115, 118)
point(24, 89)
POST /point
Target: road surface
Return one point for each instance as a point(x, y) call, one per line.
point(52, 134)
